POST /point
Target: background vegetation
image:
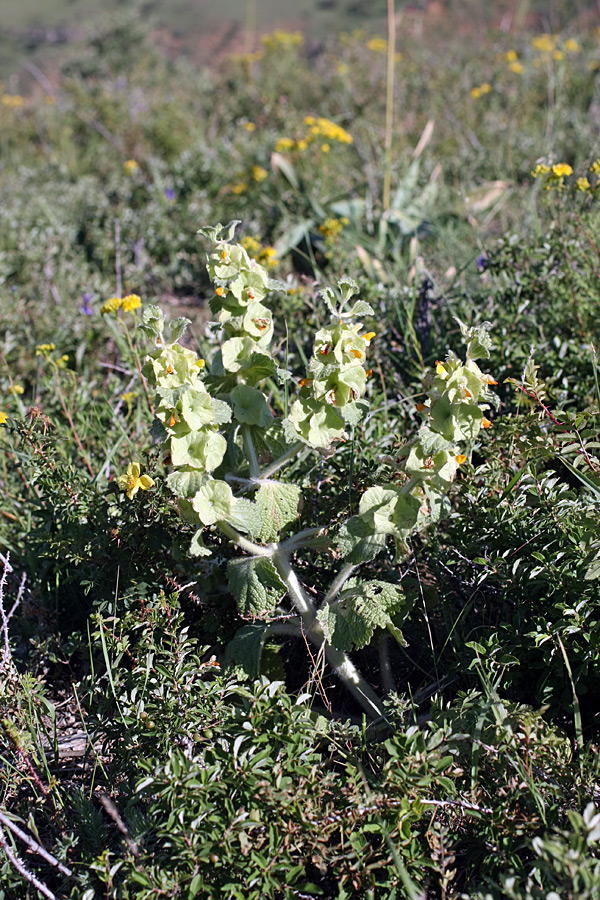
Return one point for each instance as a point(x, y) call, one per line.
point(146, 759)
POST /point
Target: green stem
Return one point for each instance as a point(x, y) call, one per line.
point(342, 665)
point(278, 463)
point(389, 103)
point(245, 544)
point(338, 582)
point(251, 452)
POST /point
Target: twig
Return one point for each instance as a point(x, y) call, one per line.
point(23, 870)
point(33, 845)
point(6, 568)
point(115, 815)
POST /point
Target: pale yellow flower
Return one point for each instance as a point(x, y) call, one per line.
point(130, 166)
point(133, 481)
point(259, 174)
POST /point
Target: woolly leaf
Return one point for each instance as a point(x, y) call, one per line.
point(360, 609)
point(245, 516)
point(245, 649)
point(278, 506)
point(255, 584)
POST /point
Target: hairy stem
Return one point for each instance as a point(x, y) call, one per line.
point(343, 666)
point(251, 452)
point(338, 582)
point(292, 451)
point(244, 543)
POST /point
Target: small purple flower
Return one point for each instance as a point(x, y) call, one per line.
point(85, 307)
point(169, 194)
point(482, 262)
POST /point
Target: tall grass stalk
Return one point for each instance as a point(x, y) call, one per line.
point(389, 102)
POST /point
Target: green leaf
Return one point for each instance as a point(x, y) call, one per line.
point(246, 648)
point(153, 318)
point(245, 516)
point(278, 506)
point(358, 542)
point(360, 609)
point(197, 409)
point(217, 233)
point(177, 328)
point(213, 501)
point(197, 547)
point(250, 406)
point(198, 449)
point(255, 584)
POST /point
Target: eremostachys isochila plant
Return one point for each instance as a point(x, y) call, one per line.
point(212, 419)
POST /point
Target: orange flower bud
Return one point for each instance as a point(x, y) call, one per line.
point(486, 423)
point(219, 291)
point(420, 407)
point(461, 458)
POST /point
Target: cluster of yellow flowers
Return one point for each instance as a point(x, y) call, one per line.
point(45, 350)
point(481, 90)
point(548, 47)
point(130, 166)
point(282, 40)
point(555, 177)
point(512, 59)
point(11, 101)
point(318, 128)
point(258, 174)
point(127, 304)
point(332, 228)
point(266, 256)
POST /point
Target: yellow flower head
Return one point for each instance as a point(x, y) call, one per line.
point(562, 170)
point(516, 67)
point(130, 166)
point(3, 417)
point(259, 174)
point(571, 46)
point(250, 126)
point(12, 101)
point(511, 56)
point(461, 458)
point(240, 188)
point(17, 389)
point(133, 481)
point(582, 184)
point(111, 306)
point(131, 302)
point(540, 169)
point(284, 143)
point(377, 44)
point(43, 349)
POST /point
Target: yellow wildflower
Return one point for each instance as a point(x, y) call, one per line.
point(485, 88)
point(516, 67)
point(284, 143)
point(325, 148)
point(133, 480)
point(131, 302)
point(342, 68)
point(250, 126)
point(377, 44)
point(130, 166)
point(259, 174)
point(572, 46)
point(17, 389)
point(511, 56)
point(461, 458)
point(283, 40)
point(562, 170)
point(558, 54)
point(310, 120)
point(200, 363)
point(475, 93)
point(595, 167)
point(582, 184)
point(545, 43)
point(302, 145)
point(42, 349)
point(12, 101)
point(240, 188)
point(111, 306)
point(3, 417)
point(540, 169)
